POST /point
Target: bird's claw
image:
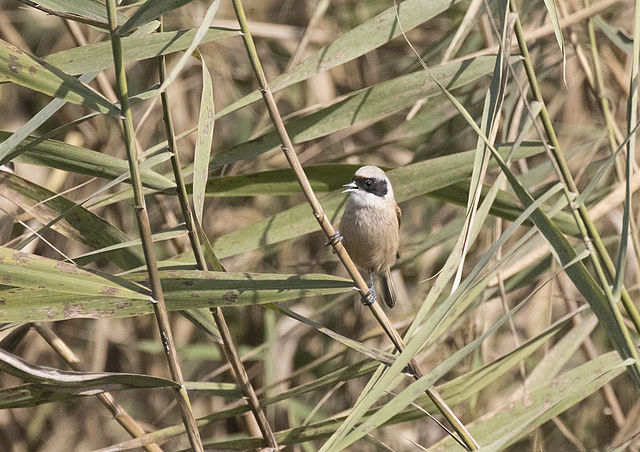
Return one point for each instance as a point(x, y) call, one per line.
point(370, 297)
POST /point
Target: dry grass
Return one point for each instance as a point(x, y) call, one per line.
point(282, 353)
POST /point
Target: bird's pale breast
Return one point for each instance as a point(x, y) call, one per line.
point(370, 234)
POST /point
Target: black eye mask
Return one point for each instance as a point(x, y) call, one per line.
point(372, 185)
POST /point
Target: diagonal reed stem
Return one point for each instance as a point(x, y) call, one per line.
point(228, 344)
point(144, 228)
point(327, 227)
point(589, 232)
point(118, 412)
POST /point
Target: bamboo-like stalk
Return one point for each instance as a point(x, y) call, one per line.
point(144, 228)
point(327, 227)
point(228, 344)
point(119, 413)
point(589, 232)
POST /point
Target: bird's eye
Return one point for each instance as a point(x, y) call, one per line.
point(368, 182)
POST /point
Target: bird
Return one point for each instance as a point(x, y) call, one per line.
point(370, 228)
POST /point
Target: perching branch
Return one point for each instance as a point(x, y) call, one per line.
point(325, 224)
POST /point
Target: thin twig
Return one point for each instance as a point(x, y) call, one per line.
point(327, 227)
point(119, 413)
point(144, 228)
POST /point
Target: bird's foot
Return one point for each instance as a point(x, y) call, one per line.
point(370, 297)
point(334, 239)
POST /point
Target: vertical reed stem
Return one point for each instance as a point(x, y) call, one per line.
point(228, 344)
point(144, 228)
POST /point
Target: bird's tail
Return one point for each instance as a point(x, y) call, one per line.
point(388, 289)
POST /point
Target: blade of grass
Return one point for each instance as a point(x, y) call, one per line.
point(10, 143)
point(19, 67)
point(557, 31)
point(199, 35)
point(204, 139)
point(71, 292)
point(370, 103)
point(20, 269)
point(88, 383)
point(90, 12)
point(97, 56)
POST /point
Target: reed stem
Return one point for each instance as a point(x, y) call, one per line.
point(144, 228)
point(228, 344)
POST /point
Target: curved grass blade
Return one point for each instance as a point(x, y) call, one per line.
point(91, 256)
point(23, 69)
point(378, 355)
point(204, 139)
point(82, 383)
point(201, 318)
point(31, 394)
point(97, 57)
point(617, 37)
point(557, 30)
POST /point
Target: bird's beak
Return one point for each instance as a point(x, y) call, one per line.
point(351, 186)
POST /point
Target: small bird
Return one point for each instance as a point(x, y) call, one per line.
point(370, 228)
